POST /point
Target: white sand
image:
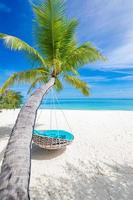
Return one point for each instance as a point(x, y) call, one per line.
point(97, 166)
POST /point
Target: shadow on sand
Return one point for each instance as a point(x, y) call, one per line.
point(81, 183)
point(4, 133)
point(38, 153)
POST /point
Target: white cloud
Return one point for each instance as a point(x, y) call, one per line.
point(94, 78)
point(4, 8)
point(125, 78)
point(109, 25)
point(122, 56)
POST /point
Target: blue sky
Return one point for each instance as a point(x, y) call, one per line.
point(107, 24)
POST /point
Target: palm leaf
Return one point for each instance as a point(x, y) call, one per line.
point(19, 45)
point(58, 85)
point(23, 77)
point(78, 84)
point(67, 36)
point(82, 55)
point(49, 27)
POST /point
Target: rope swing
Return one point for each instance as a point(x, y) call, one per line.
point(53, 138)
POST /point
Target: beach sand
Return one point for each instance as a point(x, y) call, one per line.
point(98, 165)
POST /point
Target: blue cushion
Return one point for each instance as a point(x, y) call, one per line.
point(54, 134)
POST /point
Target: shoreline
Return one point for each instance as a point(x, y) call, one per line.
point(57, 109)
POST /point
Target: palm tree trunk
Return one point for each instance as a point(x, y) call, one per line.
point(16, 166)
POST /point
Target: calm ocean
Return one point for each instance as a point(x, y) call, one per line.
point(89, 104)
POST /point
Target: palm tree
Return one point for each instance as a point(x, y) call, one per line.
point(56, 54)
point(10, 100)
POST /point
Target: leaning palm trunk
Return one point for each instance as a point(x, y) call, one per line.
point(15, 171)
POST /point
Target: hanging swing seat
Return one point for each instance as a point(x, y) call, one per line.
point(52, 139)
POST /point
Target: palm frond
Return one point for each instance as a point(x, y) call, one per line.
point(58, 85)
point(71, 69)
point(49, 27)
point(23, 77)
point(84, 54)
point(78, 84)
point(67, 36)
point(17, 44)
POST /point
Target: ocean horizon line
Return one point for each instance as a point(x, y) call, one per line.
point(88, 104)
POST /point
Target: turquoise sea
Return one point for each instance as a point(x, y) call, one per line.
point(88, 104)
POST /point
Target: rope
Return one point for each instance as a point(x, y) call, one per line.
point(53, 107)
point(56, 121)
point(62, 112)
point(38, 117)
point(51, 115)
